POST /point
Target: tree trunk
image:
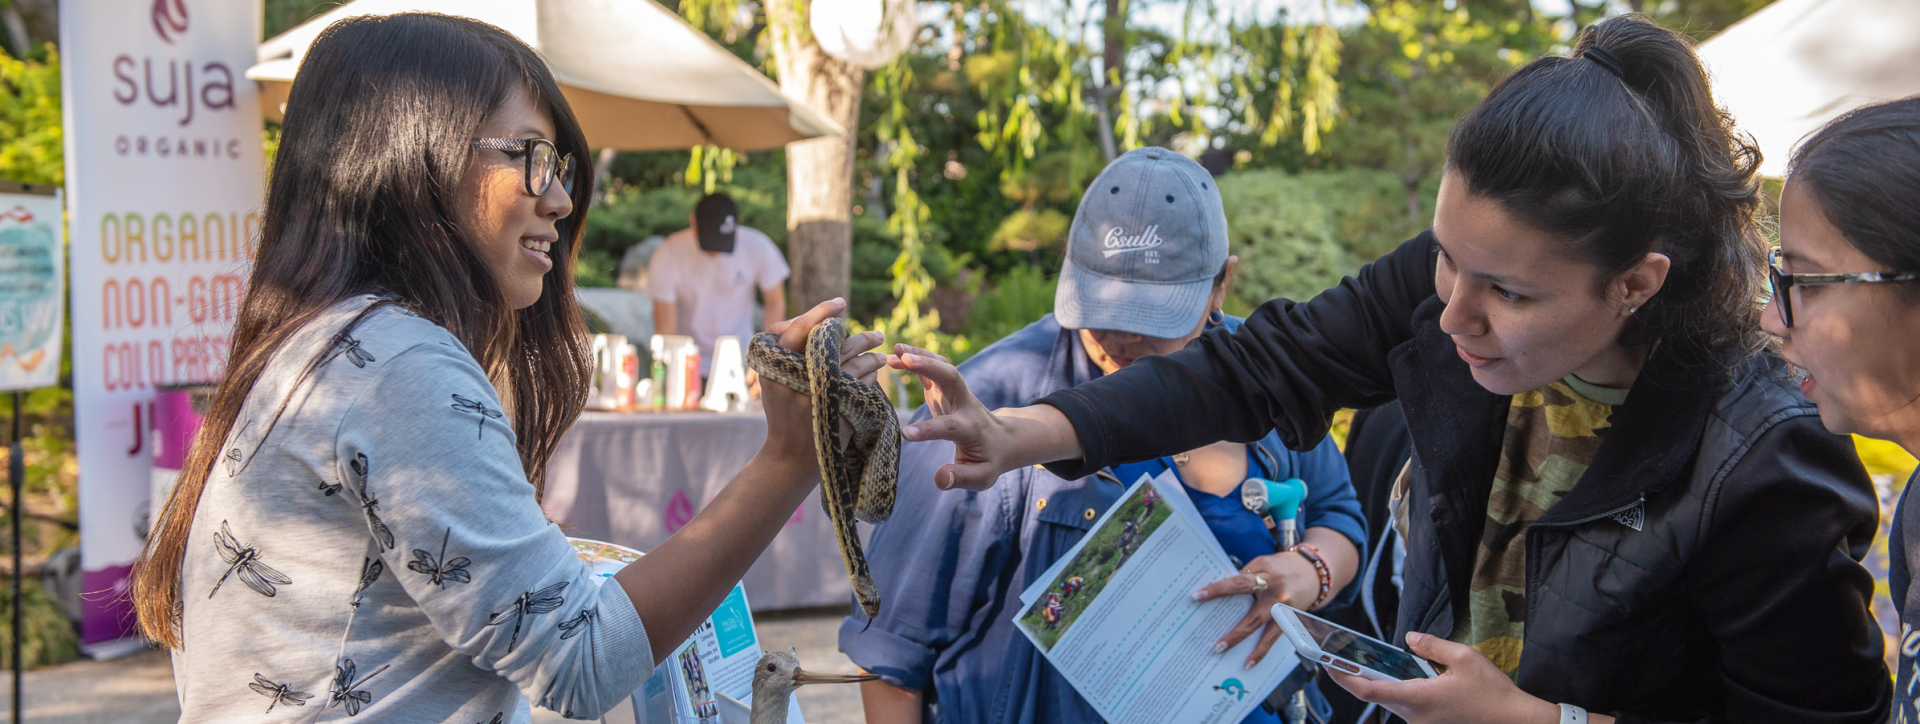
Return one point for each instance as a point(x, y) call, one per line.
point(819, 171)
point(16, 31)
point(602, 166)
point(1113, 32)
point(41, 19)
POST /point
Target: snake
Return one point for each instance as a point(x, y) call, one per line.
point(858, 482)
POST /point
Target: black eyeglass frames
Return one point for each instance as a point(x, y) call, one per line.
point(543, 159)
point(1782, 282)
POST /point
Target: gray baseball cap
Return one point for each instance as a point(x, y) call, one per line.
point(1145, 245)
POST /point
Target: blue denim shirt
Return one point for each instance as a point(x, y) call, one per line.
point(950, 565)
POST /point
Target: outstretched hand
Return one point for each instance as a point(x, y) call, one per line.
point(986, 443)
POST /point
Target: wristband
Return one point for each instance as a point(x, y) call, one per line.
point(1570, 714)
point(1312, 555)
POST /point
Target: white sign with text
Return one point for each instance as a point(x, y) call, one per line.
point(164, 181)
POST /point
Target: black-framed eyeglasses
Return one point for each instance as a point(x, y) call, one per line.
point(1783, 281)
point(543, 159)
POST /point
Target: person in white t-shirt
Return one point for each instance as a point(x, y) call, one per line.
point(703, 278)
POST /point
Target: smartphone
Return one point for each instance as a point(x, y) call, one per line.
point(1346, 650)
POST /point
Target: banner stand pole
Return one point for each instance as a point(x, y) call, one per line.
point(16, 477)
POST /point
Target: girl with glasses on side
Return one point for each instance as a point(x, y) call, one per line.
point(1618, 506)
point(1846, 308)
point(357, 531)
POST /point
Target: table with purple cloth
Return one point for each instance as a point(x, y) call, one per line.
point(635, 478)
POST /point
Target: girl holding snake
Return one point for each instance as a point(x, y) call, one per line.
point(406, 359)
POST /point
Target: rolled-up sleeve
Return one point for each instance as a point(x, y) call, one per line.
point(935, 561)
point(432, 459)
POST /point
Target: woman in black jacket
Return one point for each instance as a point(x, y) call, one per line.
point(1617, 501)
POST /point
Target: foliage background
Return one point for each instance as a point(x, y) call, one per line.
point(1325, 125)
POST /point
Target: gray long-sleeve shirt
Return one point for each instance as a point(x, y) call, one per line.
point(380, 555)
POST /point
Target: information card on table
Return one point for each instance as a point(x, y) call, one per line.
point(717, 659)
point(1116, 617)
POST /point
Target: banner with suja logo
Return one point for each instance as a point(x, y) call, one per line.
point(164, 181)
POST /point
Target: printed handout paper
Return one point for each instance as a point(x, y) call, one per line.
point(1116, 617)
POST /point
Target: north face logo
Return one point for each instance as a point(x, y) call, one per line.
point(1117, 241)
point(1634, 517)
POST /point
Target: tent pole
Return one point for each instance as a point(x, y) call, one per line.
point(16, 475)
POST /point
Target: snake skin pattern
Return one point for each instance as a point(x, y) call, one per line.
point(857, 483)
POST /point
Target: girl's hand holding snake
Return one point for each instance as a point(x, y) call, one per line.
point(986, 443)
point(789, 413)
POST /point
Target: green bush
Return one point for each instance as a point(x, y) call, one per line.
point(30, 145)
point(870, 280)
point(1298, 234)
point(50, 636)
point(1015, 299)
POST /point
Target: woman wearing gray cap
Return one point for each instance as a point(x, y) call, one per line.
point(1618, 508)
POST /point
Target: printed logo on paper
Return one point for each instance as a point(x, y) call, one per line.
point(1234, 687)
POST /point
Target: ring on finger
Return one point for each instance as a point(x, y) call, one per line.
point(1259, 583)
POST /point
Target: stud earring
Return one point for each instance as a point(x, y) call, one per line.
point(1631, 310)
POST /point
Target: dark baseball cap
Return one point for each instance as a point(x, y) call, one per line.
point(1146, 243)
point(714, 220)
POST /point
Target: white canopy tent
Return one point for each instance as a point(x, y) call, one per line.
point(1795, 65)
point(637, 75)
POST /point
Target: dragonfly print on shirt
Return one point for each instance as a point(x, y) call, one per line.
point(346, 690)
point(583, 622)
point(369, 572)
point(245, 560)
point(531, 603)
point(351, 349)
point(478, 407)
point(278, 694)
point(370, 504)
point(235, 460)
point(442, 569)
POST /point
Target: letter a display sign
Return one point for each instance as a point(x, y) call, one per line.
point(164, 173)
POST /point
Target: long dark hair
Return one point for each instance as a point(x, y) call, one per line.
point(1863, 170)
point(362, 198)
point(1620, 151)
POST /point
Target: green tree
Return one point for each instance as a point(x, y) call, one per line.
point(30, 132)
point(1409, 71)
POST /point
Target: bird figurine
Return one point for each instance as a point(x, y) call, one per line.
point(774, 679)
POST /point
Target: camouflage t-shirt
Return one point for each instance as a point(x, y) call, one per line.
point(1552, 435)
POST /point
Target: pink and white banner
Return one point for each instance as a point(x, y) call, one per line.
point(164, 180)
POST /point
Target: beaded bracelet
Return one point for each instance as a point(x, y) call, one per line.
point(1312, 554)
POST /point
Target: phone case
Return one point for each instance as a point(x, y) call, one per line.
point(1289, 620)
